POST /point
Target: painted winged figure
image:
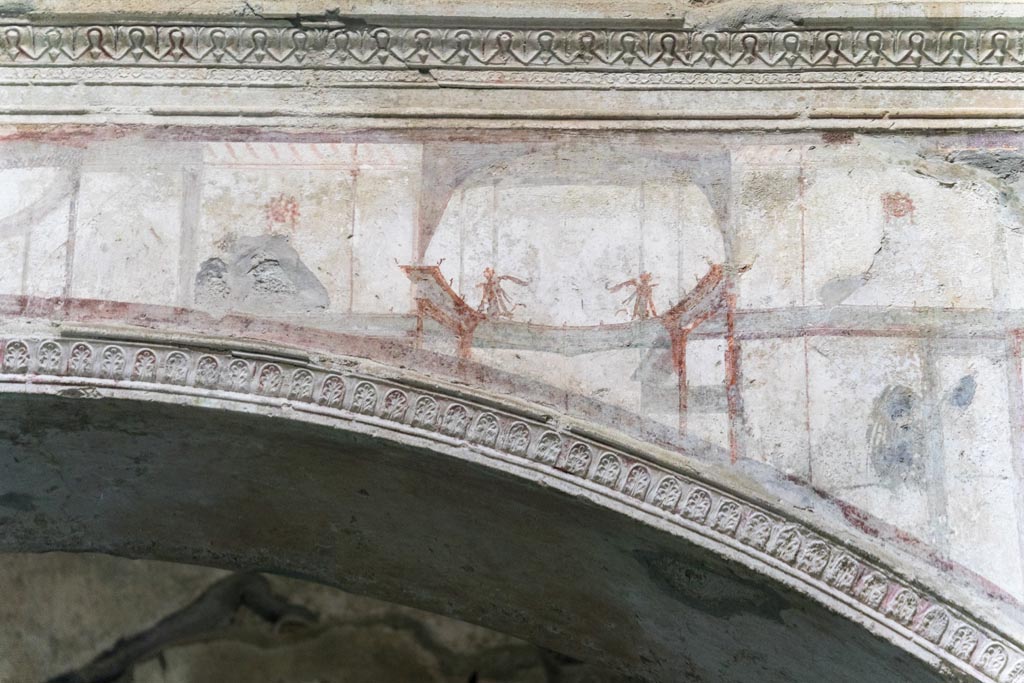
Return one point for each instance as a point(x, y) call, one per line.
point(495, 301)
point(642, 297)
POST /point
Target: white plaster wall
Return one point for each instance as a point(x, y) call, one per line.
point(841, 293)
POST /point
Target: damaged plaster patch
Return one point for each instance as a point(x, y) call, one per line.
point(963, 393)
point(896, 436)
point(1005, 164)
point(991, 171)
point(262, 272)
point(836, 291)
point(22, 502)
point(998, 170)
point(706, 589)
point(212, 281)
point(79, 392)
point(723, 14)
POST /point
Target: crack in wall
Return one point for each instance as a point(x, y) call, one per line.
point(203, 618)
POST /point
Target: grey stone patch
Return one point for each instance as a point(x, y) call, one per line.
point(895, 436)
point(999, 170)
point(963, 393)
point(836, 291)
point(16, 7)
point(1005, 164)
point(713, 590)
point(269, 277)
point(261, 273)
point(212, 281)
point(22, 502)
point(79, 392)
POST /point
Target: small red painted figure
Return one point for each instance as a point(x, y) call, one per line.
point(495, 301)
point(642, 297)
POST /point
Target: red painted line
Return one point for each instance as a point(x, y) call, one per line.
point(732, 378)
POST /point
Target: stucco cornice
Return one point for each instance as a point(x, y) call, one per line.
point(510, 46)
point(821, 71)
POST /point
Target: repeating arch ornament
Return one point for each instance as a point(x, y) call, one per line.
point(903, 606)
point(963, 641)
point(485, 431)
point(112, 362)
point(549, 447)
point(756, 531)
point(637, 482)
point(271, 380)
point(786, 545)
point(608, 470)
point(144, 367)
point(872, 589)
point(698, 505)
point(81, 360)
point(933, 624)
point(301, 388)
point(590, 51)
point(207, 371)
point(842, 572)
point(518, 439)
point(456, 421)
point(395, 404)
point(16, 357)
point(237, 376)
point(332, 392)
point(824, 566)
point(51, 356)
point(424, 415)
point(993, 660)
point(176, 368)
point(727, 519)
point(668, 493)
point(814, 557)
point(364, 398)
point(577, 460)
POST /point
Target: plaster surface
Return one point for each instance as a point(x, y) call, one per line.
point(768, 261)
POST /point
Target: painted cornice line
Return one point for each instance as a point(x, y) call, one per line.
point(336, 392)
point(508, 48)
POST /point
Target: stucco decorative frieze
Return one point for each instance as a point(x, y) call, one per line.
point(336, 390)
point(508, 48)
point(135, 74)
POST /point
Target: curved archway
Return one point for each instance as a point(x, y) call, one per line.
point(498, 512)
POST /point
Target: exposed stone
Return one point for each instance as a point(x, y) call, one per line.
point(66, 608)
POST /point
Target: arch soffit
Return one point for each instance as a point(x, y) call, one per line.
point(529, 441)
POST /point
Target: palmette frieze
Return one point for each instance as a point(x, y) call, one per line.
point(454, 420)
point(499, 48)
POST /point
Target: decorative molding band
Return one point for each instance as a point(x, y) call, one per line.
point(500, 49)
point(337, 390)
point(135, 74)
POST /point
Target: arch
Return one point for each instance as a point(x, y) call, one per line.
point(593, 545)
